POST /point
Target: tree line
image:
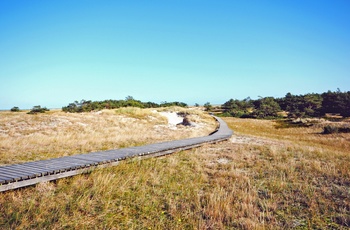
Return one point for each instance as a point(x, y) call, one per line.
point(88, 105)
point(296, 106)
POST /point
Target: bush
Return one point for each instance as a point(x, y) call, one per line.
point(208, 106)
point(88, 106)
point(329, 129)
point(15, 109)
point(38, 109)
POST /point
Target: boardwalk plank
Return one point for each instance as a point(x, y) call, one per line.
point(4, 174)
point(20, 175)
point(24, 169)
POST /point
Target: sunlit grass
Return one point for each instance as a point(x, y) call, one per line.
point(137, 113)
point(289, 182)
point(311, 136)
point(26, 137)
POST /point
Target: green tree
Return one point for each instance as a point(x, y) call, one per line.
point(237, 108)
point(87, 106)
point(129, 98)
point(308, 105)
point(336, 102)
point(266, 107)
point(311, 104)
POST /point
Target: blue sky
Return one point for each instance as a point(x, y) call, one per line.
point(195, 51)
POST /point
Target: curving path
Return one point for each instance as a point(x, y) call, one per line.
point(30, 173)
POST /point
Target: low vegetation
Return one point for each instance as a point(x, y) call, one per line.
point(38, 109)
point(88, 106)
point(269, 175)
point(293, 106)
point(329, 129)
point(15, 109)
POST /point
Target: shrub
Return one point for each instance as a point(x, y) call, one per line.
point(88, 106)
point(208, 106)
point(15, 109)
point(329, 129)
point(38, 109)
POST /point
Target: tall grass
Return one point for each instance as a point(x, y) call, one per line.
point(290, 183)
point(26, 137)
point(304, 136)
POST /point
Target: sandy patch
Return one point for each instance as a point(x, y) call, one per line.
point(223, 161)
point(173, 118)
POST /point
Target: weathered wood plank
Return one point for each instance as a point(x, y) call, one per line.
point(4, 174)
point(24, 169)
point(20, 175)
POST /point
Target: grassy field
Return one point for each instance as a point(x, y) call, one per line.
point(26, 137)
point(266, 176)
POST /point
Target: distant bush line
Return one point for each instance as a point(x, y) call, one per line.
point(293, 106)
point(38, 109)
point(88, 106)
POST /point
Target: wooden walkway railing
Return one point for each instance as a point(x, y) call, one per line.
point(30, 173)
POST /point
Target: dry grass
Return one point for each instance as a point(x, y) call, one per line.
point(310, 136)
point(264, 178)
point(26, 137)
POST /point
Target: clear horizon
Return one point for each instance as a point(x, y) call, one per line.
point(55, 52)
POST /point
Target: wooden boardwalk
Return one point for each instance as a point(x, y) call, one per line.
point(30, 173)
